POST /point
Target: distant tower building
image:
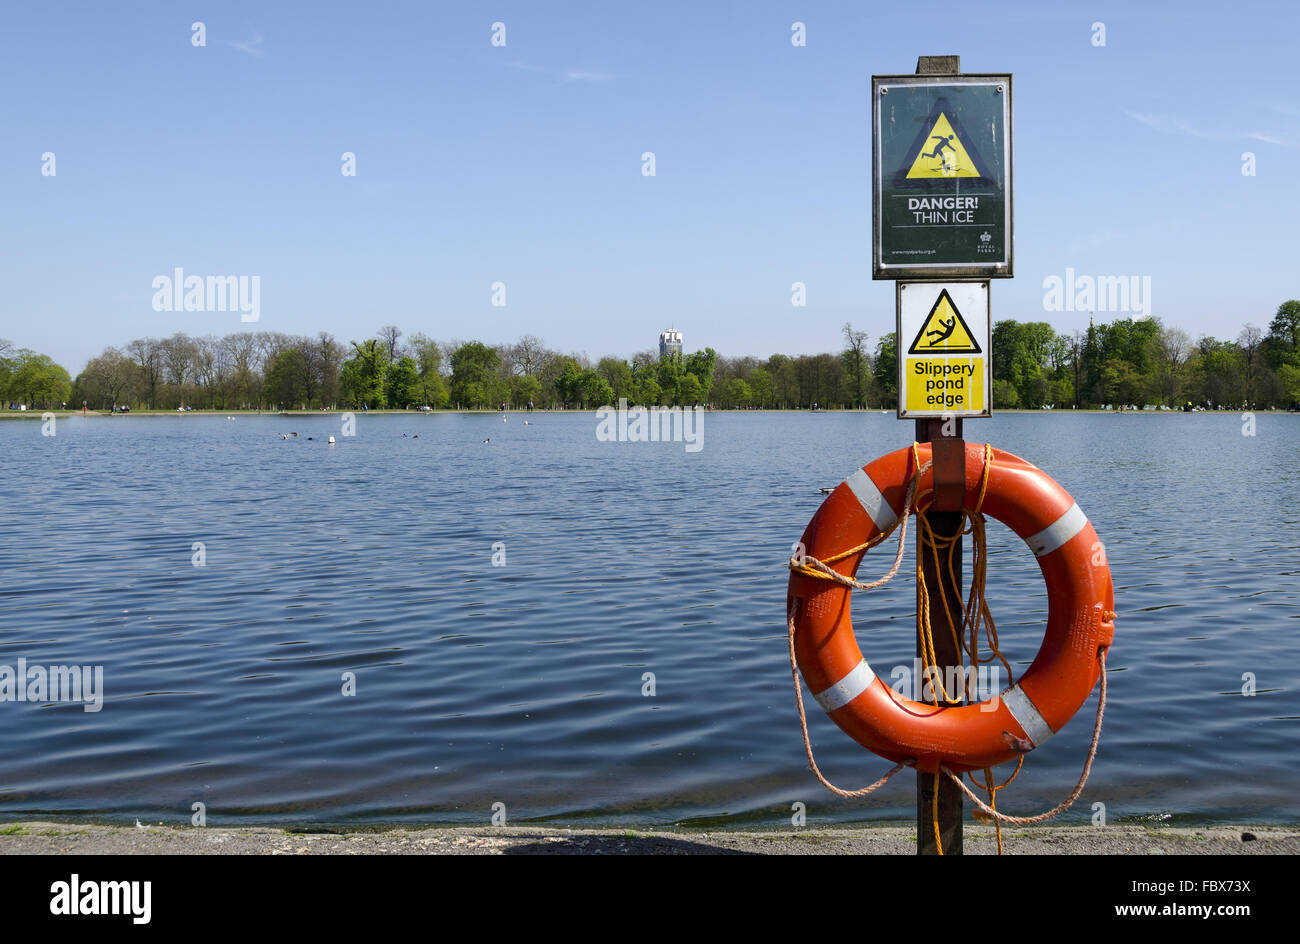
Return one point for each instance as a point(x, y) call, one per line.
point(670, 342)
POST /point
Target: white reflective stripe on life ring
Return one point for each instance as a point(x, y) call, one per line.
point(1026, 715)
point(846, 689)
point(871, 500)
point(1058, 532)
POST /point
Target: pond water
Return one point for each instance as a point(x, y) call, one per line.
point(370, 565)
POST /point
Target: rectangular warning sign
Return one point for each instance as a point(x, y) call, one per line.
point(944, 361)
point(941, 157)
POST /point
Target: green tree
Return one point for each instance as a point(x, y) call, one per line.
point(364, 373)
point(1121, 382)
point(1288, 376)
point(1004, 395)
point(1218, 373)
point(1023, 355)
point(821, 380)
point(618, 374)
point(1284, 333)
point(428, 364)
point(856, 364)
point(670, 379)
point(569, 383)
point(886, 369)
point(645, 389)
point(286, 379)
point(34, 379)
point(785, 381)
point(473, 366)
point(760, 387)
point(690, 390)
point(1062, 390)
point(1258, 379)
point(736, 393)
point(525, 389)
point(1129, 340)
point(1093, 392)
point(403, 387)
point(324, 360)
point(595, 390)
point(702, 364)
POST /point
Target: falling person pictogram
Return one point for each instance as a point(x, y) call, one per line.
point(940, 336)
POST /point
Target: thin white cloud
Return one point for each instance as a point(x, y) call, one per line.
point(1267, 138)
point(1171, 124)
point(253, 47)
point(567, 75)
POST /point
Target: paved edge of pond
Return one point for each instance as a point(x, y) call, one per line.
point(44, 838)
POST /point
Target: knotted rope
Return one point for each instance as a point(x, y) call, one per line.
point(812, 567)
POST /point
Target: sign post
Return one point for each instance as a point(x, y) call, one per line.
point(942, 228)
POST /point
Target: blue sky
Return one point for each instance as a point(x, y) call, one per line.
point(522, 164)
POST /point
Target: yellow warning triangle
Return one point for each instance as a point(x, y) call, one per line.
point(944, 331)
point(942, 154)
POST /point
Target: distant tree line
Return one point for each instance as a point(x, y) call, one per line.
point(1125, 362)
point(1129, 362)
point(266, 370)
point(1146, 362)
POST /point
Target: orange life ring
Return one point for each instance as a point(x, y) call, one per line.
point(1080, 617)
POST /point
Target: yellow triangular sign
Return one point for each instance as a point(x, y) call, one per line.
point(944, 331)
point(942, 154)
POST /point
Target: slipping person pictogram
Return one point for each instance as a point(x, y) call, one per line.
point(939, 336)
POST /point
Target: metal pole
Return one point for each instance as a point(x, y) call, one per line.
point(945, 625)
